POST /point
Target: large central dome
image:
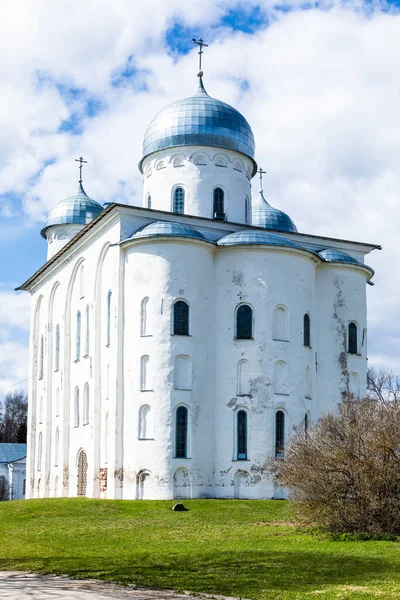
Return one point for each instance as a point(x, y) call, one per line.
point(199, 121)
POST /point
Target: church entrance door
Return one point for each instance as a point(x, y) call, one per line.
point(82, 473)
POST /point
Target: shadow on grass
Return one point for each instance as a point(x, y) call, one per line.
point(248, 574)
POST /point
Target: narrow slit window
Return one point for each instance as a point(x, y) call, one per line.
point(306, 330)
point(244, 322)
point(279, 434)
point(76, 408)
point(219, 203)
point(181, 318)
point(242, 435)
point(41, 357)
point(148, 201)
point(87, 331)
point(181, 433)
point(109, 296)
point(57, 349)
point(78, 335)
point(179, 200)
point(352, 338)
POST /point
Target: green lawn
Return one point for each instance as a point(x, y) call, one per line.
point(248, 549)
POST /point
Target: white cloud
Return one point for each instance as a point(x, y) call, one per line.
point(322, 97)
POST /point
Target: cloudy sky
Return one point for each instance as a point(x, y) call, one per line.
point(318, 82)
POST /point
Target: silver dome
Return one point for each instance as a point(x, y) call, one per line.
point(254, 237)
point(78, 209)
point(167, 228)
point(199, 121)
point(265, 215)
point(334, 255)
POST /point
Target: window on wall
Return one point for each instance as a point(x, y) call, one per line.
point(144, 317)
point(145, 423)
point(306, 330)
point(39, 455)
point(308, 383)
point(219, 204)
point(108, 332)
point(181, 318)
point(241, 428)
point(144, 373)
point(41, 357)
point(280, 324)
point(57, 349)
point(247, 210)
point(244, 322)
point(181, 432)
point(306, 425)
point(78, 335)
point(279, 434)
point(148, 201)
point(243, 378)
point(76, 408)
point(82, 282)
point(86, 405)
point(280, 377)
point(352, 333)
point(179, 201)
point(87, 331)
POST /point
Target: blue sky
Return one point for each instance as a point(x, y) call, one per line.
point(318, 83)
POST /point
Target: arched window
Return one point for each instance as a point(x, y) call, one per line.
point(308, 383)
point(78, 335)
point(148, 201)
point(87, 331)
point(247, 210)
point(241, 433)
point(219, 204)
point(243, 378)
point(144, 373)
point(179, 201)
point(306, 330)
point(145, 423)
point(280, 324)
point(41, 357)
point(39, 454)
point(279, 434)
point(182, 373)
point(353, 346)
point(244, 322)
point(86, 404)
point(56, 447)
point(57, 349)
point(181, 432)
point(144, 317)
point(109, 296)
point(280, 377)
point(76, 408)
point(181, 318)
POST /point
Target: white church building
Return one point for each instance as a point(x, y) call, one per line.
point(174, 345)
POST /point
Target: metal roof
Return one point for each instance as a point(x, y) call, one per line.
point(11, 452)
point(167, 228)
point(199, 121)
point(333, 255)
point(265, 215)
point(256, 237)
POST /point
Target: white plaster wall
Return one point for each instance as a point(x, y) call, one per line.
point(59, 235)
point(199, 180)
point(165, 271)
point(341, 299)
point(263, 278)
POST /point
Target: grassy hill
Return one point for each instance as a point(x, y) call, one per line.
point(248, 549)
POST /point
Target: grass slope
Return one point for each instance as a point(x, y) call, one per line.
point(248, 549)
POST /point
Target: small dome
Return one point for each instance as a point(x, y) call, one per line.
point(254, 237)
point(167, 228)
point(265, 215)
point(333, 255)
point(199, 121)
point(78, 209)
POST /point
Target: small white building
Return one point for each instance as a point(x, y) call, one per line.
point(175, 344)
point(13, 470)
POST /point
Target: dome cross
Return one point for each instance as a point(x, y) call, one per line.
point(80, 161)
point(261, 172)
point(200, 44)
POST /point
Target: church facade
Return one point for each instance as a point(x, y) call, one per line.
point(174, 345)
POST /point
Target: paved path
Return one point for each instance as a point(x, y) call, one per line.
point(16, 585)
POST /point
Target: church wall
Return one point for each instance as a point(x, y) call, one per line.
point(164, 271)
point(263, 278)
point(341, 299)
point(161, 176)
